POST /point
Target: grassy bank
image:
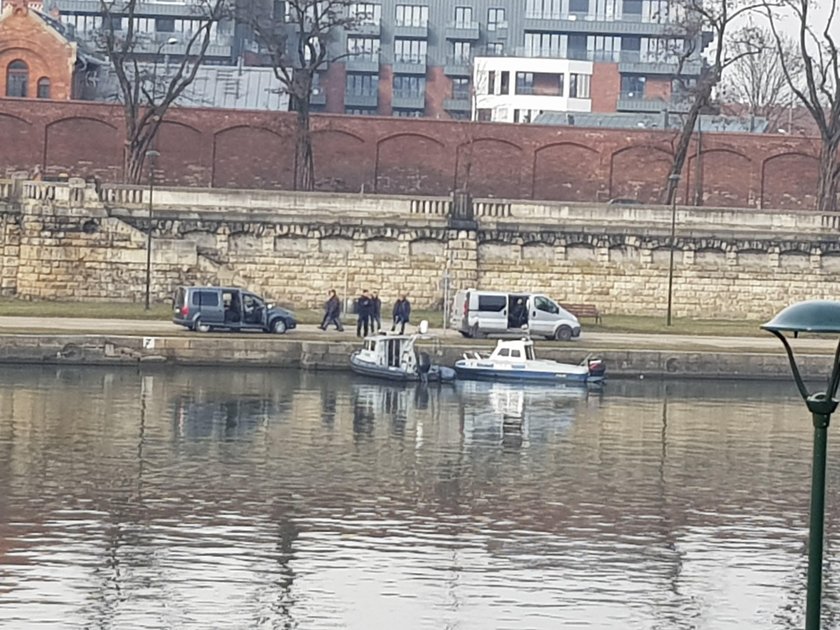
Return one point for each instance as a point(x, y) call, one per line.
point(610, 323)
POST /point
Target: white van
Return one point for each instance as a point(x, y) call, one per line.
point(480, 313)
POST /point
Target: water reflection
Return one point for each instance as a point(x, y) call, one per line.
point(273, 499)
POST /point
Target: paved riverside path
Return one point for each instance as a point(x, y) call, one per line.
point(762, 342)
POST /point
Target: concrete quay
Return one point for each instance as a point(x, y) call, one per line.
point(66, 341)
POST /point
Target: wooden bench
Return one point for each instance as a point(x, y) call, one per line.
point(584, 310)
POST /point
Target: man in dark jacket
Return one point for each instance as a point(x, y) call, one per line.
point(402, 313)
point(364, 311)
point(375, 312)
point(332, 311)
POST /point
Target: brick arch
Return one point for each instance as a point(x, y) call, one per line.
point(350, 163)
point(726, 178)
point(184, 157)
point(83, 147)
point(564, 171)
point(246, 156)
point(639, 172)
point(789, 180)
point(490, 167)
point(18, 149)
point(412, 163)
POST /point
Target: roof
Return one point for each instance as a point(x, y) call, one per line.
point(662, 120)
point(227, 87)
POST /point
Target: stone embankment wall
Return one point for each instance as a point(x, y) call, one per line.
point(72, 241)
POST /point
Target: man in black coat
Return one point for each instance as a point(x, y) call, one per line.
point(332, 311)
point(402, 313)
point(364, 311)
point(376, 312)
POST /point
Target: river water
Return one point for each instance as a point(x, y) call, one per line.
point(204, 498)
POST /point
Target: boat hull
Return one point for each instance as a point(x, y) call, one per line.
point(436, 373)
point(523, 376)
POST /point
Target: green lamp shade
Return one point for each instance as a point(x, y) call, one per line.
point(816, 316)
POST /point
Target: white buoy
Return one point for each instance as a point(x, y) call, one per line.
point(424, 327)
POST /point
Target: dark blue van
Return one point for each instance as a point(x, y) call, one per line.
point(228, 308)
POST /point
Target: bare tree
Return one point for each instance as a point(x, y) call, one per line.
point(757, 81)
point(817, 84)
point(145, 97)
point(692, 21)
point(298, 46)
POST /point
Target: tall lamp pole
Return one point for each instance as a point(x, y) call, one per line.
point(169, 42)
point(675, 180)
point(150, 157)
point(815, 316)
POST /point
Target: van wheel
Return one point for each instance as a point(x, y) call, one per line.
point(278, 327)
point(200, 327)
point(563, 333)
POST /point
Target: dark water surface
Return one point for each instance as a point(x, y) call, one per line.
point(268, 499)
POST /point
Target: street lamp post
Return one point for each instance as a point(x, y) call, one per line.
point(674, 180)
point(816, 316)
point(150, 156)
point(169, 42)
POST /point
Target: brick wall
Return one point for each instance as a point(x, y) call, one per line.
point(240, 149)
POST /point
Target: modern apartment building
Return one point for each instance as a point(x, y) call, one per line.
point(435, 57)
point(505, 60)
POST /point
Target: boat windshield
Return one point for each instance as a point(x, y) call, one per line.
point(529, 353)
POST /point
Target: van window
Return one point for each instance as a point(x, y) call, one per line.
point(205, 298)
point(492, 303)
point(545, 305)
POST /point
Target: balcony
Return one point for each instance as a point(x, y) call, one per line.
point(361, 100)
point(409, 65)
point(458, 66)
point(371, 29)
point(458, 104)
point(497, 31)
point(408, 101)
point(411, 31)
point(630, 102)
point(634, 63)
point(362, 63)
point(582, 24)
point(462, 31)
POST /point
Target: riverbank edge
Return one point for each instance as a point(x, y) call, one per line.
point(288, 352)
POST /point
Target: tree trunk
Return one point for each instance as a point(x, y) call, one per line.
point(827, 183)
point(304, 162)
point(681, 152)
point(133, 164)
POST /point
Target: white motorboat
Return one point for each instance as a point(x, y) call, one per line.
point(515, 360)
point(396, 358)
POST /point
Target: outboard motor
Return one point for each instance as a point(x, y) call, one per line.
point(596, 366)
point(424, 362)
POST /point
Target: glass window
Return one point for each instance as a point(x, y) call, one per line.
point(524, 82)
point(504, 352)
point(545, 305)
point(632, 7)
point(494, 303)
point(410, 50)
point(495, 49)
point(412, 15)
point(460, 88)
point(463, 17)
point(409, 85)
point(505, 83)
point(495, 19)
point(462, 51)
point(578, 6)
point(632, 86)
point(17, 79)
point(362, 84)
point(578, 85)
point(43, 87)
point(366, 12)
point(205, 298)
point(165, 25)
point(364, 47)
point(515, 354)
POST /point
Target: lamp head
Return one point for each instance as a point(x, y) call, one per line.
point(171, 41)
point(814, 316)
point(152, 154)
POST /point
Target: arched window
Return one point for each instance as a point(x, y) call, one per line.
point(17, 78)
point(43, 87)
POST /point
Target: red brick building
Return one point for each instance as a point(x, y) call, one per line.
point(36, 59)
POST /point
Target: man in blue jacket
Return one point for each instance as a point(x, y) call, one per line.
point(332, 311)
point(402, 313)
point(364, 312)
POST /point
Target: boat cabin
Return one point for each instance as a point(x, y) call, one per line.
point(514, 350)
point(393, 351)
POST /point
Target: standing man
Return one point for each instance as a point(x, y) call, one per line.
point(364, 306)
point(332, 310)
point(402, 313)
point(376, 313)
